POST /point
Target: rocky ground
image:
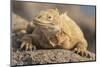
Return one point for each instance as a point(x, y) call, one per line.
point(47, 57)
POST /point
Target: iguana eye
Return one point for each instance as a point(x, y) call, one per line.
point(49, 17)
point(52, 23)
point(39, 16)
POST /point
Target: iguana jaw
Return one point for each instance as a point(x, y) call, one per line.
point(39, 22)
point(44, 23)
point(48, 25)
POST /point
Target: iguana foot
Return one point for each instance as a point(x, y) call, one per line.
point(82, 50)
point(27, 43)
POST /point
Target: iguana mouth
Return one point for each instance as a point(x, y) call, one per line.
point(40, 23)
point(46, 25)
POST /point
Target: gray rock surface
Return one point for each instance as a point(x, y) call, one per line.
point(47, 57)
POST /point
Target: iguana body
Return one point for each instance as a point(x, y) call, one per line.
point(54, 30)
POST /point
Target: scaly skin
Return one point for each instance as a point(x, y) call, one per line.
point(54, 30)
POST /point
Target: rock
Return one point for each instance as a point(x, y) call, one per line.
point(18, 22)
point(47, 56)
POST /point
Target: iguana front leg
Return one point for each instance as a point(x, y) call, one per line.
point(27, 42)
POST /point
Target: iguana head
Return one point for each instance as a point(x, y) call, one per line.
point(48, 18)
